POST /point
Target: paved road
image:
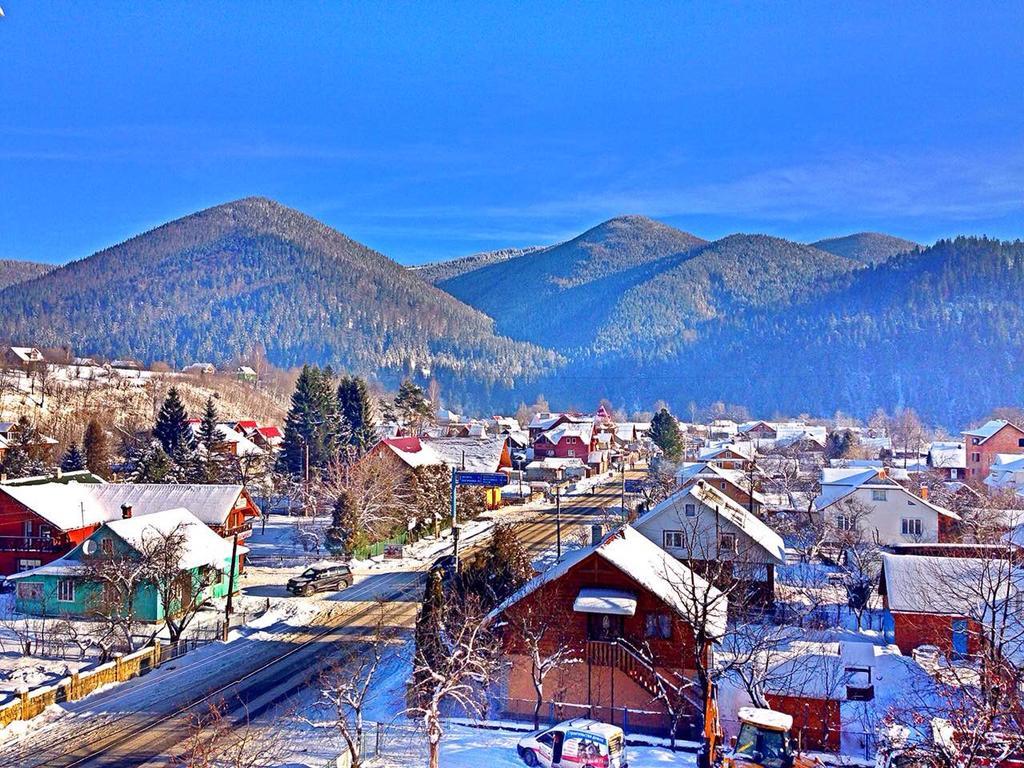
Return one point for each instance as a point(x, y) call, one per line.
point(136, 722)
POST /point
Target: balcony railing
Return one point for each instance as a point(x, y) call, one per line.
point(29, 544)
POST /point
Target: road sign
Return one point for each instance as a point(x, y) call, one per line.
point(488, 479)
point(633, 486)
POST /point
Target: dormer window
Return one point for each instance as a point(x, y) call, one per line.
point(107, 545)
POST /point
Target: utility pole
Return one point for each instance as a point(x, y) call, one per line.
point(622, 502)
point(455, 521)
point(558, 521)
point(231, 586)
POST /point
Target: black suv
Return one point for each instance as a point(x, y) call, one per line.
point(318, 578)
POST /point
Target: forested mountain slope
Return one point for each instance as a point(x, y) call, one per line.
point(212, 285)
point(439, 271)
point(941, 330)
point(13, 272)
point(558, 297)
point(711, 284)
point(866, 247)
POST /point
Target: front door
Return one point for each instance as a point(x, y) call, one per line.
point(959, 638)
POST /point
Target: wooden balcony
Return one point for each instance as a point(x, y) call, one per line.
point(30, 544)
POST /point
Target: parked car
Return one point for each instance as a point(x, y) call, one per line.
point(320, 578)
point(582, 742)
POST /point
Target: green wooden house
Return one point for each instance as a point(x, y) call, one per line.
point(71, 586)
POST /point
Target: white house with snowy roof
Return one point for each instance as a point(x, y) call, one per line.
point(701, 524)
point(869, 499)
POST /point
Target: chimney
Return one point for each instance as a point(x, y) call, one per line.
point(126, 511)
point(60, 473)
point(923, 493)
point(596, 534)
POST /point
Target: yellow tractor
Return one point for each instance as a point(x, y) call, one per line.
point(764, 741)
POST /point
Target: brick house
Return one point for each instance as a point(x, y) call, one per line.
point(712, 534)
point(938, 601)
point(608, 602)
point(985, 442)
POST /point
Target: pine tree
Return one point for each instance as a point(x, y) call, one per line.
point(412, 406)
point(73, 459)
point(340, 536)
point(172, 427)
point(311, 424)
point(155, 466)
point(502, 568)
point(356, 416)
point(430, 651)
point(97, 453)
point(211, 464)
point(666, 435)
point(20, 459)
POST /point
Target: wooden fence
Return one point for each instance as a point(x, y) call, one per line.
point(30, 703)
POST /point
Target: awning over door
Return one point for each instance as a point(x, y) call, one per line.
point(616, 602)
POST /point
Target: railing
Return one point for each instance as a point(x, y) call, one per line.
point(29, 544)
point(624, 656)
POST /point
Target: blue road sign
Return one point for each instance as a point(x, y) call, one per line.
point(489, 479)
point(633, 486)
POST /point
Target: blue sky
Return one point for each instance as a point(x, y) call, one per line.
point(435, 130)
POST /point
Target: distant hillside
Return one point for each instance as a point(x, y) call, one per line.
point(439, 271)
point(941, 331)
point(713, 283)
point(559, 296)
point(866, 247)
point(212, 285)
point(13, 272)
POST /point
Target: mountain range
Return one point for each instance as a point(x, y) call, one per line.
point(633, 310)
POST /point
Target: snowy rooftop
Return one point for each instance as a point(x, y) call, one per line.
point(706, 496)
point(652, 568)
point(986, 430)
point(943, 455)
point(201, 546)
point(76, 505)
point(477, 454)
point(947, 586)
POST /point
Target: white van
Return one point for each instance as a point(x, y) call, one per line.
point(583, 743)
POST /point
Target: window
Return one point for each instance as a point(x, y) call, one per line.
point(26, 529)
point(975, 441)
point(107, 546)
point(911, 526)
point(844, 522)
point(66, 590)
point(674, 539)
point(878, 494)
point(727, 542)
point(30, 590)
point(911, 503)
point(571, 453)
point(28, 563)
point(604, 627)
point(45, 531)
point(691, 510)
point(975, 457)
point(658, 625)
point(722, 485)
point(1020, 442)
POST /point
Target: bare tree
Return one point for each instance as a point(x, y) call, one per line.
point(453, 672)
point(980, 697)
point(116, 577)
point(346, 684)
point(216, 740)
point(539, 633)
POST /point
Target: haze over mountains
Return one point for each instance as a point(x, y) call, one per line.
point(631, 309)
